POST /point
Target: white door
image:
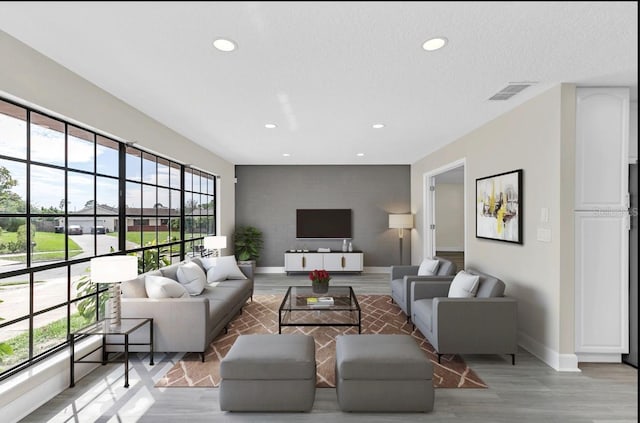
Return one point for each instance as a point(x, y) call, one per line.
point(601, 224)
point(601, 252)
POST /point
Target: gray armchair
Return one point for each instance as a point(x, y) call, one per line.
point(403, 276)
point(485, 324)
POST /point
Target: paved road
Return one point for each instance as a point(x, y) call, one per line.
point(51, 292)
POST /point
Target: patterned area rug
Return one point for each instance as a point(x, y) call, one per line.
point(379, 315)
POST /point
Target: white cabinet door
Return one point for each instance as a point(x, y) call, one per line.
point(343, 262)
point(336, 262)
point(333, 262)
point(601, 288)
point(313, 262)
point(293, 262)
point(352, 262)
point(602, 148)
point(300, 262)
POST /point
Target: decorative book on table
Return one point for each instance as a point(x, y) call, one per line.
point(320, 301)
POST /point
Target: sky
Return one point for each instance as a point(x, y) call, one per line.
point(47, 187)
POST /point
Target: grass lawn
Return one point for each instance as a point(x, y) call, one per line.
point(146, 236)
point(151, 236)
point(45, 241)
point(45, 337)
point(48, 241)
point(49, 246)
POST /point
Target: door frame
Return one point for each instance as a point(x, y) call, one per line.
point(429, 198)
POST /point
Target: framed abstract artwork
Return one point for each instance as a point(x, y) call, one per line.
point(499, 207)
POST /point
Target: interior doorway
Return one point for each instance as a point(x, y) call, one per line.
point(445, 216)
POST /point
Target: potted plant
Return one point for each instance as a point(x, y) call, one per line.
point(247, 244)
point(319, 281)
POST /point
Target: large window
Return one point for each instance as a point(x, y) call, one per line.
point(199, 207)
point(68, 194)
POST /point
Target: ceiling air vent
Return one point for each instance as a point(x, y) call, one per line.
point(510, 90)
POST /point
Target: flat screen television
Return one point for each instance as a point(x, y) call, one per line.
point(323, 223)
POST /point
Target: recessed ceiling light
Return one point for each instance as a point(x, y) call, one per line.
point(270, 125)
point(378, 125)
point(286, 154)
point(434, 44)
point(360, 154)
point(223, 44)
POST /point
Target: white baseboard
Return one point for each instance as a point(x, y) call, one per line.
point(24, 392)
point(599, 357)
point(451, 249)
point(274, 269)
point(555, 360)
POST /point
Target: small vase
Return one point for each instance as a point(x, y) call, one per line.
point(320, 287)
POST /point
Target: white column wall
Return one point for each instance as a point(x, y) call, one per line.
point(529, 137)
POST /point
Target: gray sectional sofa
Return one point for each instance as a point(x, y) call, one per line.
point(187, 324)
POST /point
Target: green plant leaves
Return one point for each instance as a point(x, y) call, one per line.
point(248, 243)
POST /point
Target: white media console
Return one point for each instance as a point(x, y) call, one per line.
point(336, 261)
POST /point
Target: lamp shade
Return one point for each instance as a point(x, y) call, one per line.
point(400, 221)
point(214, 242)
point(113, 269)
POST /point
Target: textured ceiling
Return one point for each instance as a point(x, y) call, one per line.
point(324, 72)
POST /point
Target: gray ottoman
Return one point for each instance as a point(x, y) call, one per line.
point(269, 373)
point(386, 373)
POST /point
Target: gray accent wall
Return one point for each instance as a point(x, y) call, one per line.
point(267, 197)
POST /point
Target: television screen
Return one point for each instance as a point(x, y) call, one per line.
point(323, 223)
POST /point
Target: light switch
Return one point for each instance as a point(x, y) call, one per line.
point(544, 215)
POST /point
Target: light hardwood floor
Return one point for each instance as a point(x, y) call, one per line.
point(530, 391)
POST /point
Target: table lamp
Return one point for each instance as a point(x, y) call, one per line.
point(215, 243)
point(113, 270)
point(400, 222)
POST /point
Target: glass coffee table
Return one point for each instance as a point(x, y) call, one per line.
point(302, 307)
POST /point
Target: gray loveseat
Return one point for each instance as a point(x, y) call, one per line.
point(187, 324)
point(403, 276)
point(484, 324)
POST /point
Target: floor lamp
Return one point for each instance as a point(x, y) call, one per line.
point(113, 270)
point(215, 243)
point(400, 222)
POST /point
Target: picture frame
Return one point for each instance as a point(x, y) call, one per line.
point(499, 207)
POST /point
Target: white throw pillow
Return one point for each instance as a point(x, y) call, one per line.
point(208, 262)
point(192, 277)
point(160, 287)
point(464, 285)
point(225, 268)
point(428, 267)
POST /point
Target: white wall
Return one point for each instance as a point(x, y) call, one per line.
point(35, 80)
point(449, 217)
point(539, 274)
point(32, 79)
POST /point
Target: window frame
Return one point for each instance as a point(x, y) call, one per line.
point(175, 248)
